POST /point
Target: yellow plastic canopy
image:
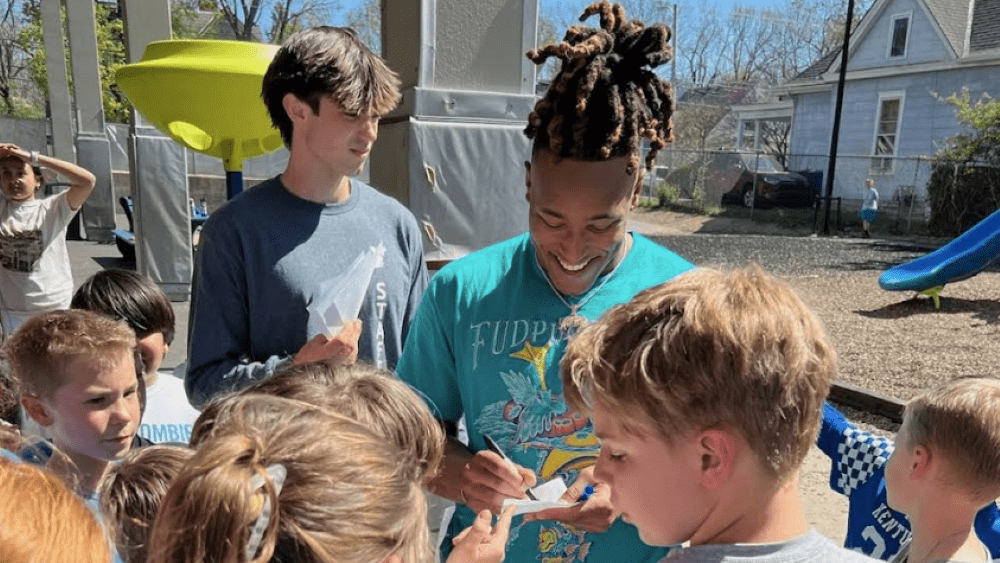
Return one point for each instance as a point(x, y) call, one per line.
point(205, 95)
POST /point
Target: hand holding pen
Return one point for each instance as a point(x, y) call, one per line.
point(489, 478)
point(495, 448)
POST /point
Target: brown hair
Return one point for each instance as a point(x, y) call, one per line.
point(9, 411)
point(39, 349)
point(710, 349)
point(961, 419)
point(131, 493)
point(605, 97)
point(376, 398)
point(347, 496)
point(43, 521)
point(328, 61)
point(128, 297)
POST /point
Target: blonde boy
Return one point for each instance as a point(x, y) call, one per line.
point(706, 393)
point(945, 468)
point(77, 378)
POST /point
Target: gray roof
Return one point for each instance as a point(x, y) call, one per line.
point(953, 17)
point(985, 26)
point(819, 67)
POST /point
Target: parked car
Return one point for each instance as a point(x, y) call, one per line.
point(757, 180)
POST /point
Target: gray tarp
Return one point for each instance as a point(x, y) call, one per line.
point(163, 226)
point(467, 188)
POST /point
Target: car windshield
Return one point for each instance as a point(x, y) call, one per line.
point(762, 163)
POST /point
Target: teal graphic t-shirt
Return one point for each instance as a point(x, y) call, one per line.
point(486, 343)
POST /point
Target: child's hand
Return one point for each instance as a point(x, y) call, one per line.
point(10, 149)
point(481, 544)
point(595, 514)
point(488, 480)
point(341, 349)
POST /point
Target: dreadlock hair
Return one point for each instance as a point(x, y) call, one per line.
point(606, 95)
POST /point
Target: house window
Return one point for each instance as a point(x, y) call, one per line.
point(900, 36)
point(890, 109)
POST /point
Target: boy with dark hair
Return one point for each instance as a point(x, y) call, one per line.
point(706, 393)
point(274, 249)
point(77, 379)
point(945, 469)
point(140, 303)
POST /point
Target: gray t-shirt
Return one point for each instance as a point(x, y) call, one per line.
point(809, 548)
point(263, 258)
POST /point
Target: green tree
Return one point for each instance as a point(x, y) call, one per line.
point(110, 48)
point(18, 97)
point(965, 179)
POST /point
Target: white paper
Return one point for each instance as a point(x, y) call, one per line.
point(445, 523)
point(339, 299)
point(548, 497)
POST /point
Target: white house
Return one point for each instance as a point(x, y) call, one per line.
point(902, 56)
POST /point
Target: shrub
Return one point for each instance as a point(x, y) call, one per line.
point(964, 186)
point(667, 193)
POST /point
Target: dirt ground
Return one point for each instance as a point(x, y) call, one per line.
point(886, 341)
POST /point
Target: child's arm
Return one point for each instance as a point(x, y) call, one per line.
point(81, 181)
point(831, 431)
point(858, 472)
point(855, 454)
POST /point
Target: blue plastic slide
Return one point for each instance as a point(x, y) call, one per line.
point(960, 259)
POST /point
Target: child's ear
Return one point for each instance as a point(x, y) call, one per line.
point(37, 410)
point(921, 462)
point(718, 450)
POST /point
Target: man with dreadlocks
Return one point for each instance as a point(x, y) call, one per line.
point(491, 329)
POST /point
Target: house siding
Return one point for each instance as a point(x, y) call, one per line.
point(811, 123)
point(926, 125)
point(925, 43)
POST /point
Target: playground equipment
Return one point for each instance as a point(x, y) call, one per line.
point(970, 253)
point(205, 94)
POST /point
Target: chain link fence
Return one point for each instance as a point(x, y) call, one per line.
point(711, 179)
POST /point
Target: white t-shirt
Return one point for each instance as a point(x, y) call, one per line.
point(35, 274)
point(169, 416)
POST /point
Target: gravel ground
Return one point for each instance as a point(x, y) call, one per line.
point(890, 342)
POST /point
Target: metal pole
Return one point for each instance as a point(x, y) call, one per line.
point(234, 183)
point(835, 138)
point(673, 42)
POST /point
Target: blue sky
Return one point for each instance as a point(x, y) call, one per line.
point(723, 5)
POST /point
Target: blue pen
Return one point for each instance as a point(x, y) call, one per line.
point(587, 491)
